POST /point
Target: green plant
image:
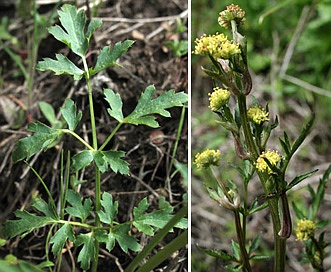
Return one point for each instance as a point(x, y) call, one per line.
point(98, 218)
point(250, 127)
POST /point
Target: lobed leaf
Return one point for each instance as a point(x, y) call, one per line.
point(78, 209)
point(60, 237)
point(108, 56)
point(102, 159)
point(110, 209)
point(147, 106)
point(125, 241)
point(69, 113)
point(115, 103)
point(43, 138)
point(146, 222)
point(27, 223)
point(72, 33)
point(46, 208)
point(86, 254)
point(60, 66)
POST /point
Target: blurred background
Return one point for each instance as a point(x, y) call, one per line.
point(289, 58)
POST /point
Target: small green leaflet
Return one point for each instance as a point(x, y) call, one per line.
point(46, 208)
point(60, 66)
point(115, 103)
point(120, 234)
point(72, 33)
point(102, 159)
point(78, 209)
point(87, 252)
point(108, 56)
point(70, 115)
point(27, 223)
point(110, 209)
point(43, 138)
point(146, 222)
point(60, 237)
point(146, 106)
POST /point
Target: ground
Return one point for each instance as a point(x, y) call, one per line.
point(148, 62)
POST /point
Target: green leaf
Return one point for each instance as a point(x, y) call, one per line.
point(108, 56)
point(27, 223)
point(12, 264)
point(300, 178)
point(60, 66)
point(102, 159)
point(78, 209)
point(87, 252)
point(72, 33)
point(146, 222)
point(48, 112)
point(218, 254)
point(299, 213)
point(43, 138)
point(147, 106)
point(60, 237)
point(125, 241)
point(46, 208)
point(92, 27)
point(259, 257)
point(69, 113)
point(110, 209)
point(235, 249)
point(255, 245)
point(115, 103)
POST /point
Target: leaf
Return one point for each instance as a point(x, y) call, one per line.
point(115, 103)
point(218, 254)
point(110, 209)
point(146, 222)
point(87, 252)
point(60, 66)
point(48, 112)
point(60, 237)
point(235, 249)
point(299, 213)
point(300, 178)
point(70, 115)
point(72, 33)
point(255, 244)
point(43, 138)
point(78, 209)
point(27, 223)
point(102, 159)
point(92, 27)
point(125, 241)
point(108, 56)
point(46, 208)
point(147, 106)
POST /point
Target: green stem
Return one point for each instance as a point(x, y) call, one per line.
point(96, 170)
point(68, 131)
point(241, 241)
point(110, 136)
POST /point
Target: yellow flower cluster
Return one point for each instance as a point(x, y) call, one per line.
point(218, 46)
point(257, 115)
point(207, 158)
point(218, 98)
point(305, 229)
point(272, 156)
point(232, 12)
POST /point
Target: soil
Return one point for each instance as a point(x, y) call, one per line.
point(147, 62)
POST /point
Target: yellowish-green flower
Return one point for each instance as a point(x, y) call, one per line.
point(207, 158)
point(305, 229)
point(272, 156)
point(218, 98)
point(232, 12)
point(218, 46)
point(257, 115)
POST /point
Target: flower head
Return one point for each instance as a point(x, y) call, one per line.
point(218, 98)
point(257, 115)
point(207, 158)
point(272, 156)
point(305, 229)
point(218, 46)
point(232, 12)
